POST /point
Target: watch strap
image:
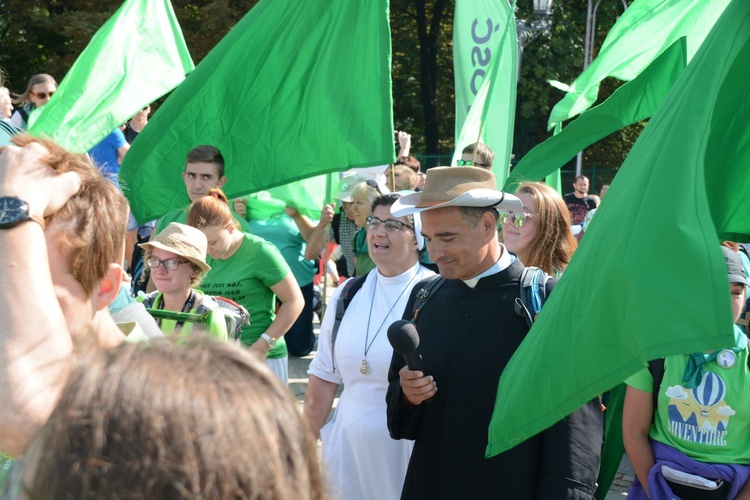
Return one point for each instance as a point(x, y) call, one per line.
point(269, 340)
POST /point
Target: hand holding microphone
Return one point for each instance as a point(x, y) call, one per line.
point(417, 387)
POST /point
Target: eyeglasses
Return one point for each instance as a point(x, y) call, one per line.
point(42, 95)
point(169, 264)
point(373, 223)
point(373, 184)
point(517, 219)
point(469, 163)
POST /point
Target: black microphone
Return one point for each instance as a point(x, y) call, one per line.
point(404, 339)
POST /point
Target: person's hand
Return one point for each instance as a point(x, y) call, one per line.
point(326, 215)
point(416, 386)
point(240, 206)
point(24, 173)
point(404, 139)
point(260, 348)
point(291, 212)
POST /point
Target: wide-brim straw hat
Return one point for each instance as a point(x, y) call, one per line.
point(185, 241)
point(456, 187)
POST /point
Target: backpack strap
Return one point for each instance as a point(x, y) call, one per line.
point(425, 293)
point(656, 367)
point(532, 294)
point(24, 114)
point(351, 288)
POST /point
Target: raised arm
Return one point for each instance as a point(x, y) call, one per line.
point(35, 345)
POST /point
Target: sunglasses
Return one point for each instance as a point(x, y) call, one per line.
point(517, 219)
point(169, 264)
point(42, 95)
point(374, 185)
point(469, 163)
point(373, 223)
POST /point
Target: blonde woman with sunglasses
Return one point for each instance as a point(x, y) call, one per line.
point(540, 234)
point(37, 94)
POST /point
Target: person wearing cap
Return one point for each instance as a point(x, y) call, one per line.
point(176, 259)
point(468, 331)
point(701, 422)
point(343, 224)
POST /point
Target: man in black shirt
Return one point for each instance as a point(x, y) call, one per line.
point(578, 201)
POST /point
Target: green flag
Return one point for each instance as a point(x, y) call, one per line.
point(496, 98)
point(137, 56)
point(643, 31)
point(649, 278)
point(634, 101)
point(478, 26)
point(296, 89)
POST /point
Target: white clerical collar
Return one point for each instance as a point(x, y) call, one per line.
point(503, 263)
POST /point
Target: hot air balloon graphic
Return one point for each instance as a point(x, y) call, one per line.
point(710, 392)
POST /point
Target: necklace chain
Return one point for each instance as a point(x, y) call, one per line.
point(363, 366)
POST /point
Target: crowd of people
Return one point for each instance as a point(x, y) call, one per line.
point(183, 402)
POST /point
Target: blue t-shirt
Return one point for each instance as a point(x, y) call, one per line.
point(105, 156)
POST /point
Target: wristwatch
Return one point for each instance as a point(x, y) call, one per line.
point(269, 340)
point(13, 211)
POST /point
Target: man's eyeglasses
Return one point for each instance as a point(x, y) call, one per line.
point(518, 219)
point(373, 223)
point(373, 184)
point(169, 264)
point(469, 163)
point(42, 95)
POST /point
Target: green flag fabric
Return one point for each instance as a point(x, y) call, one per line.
point(632, 102)
point(495, 98)
point(478, 26)
point(137, 56)
point(649, 278)
point(643, 31)
point(296, 89)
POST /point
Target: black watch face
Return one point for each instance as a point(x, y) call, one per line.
point(12, 210)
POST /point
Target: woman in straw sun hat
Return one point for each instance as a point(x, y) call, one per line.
point(176, 259)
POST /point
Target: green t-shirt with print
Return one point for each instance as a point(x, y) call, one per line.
point(710, 423)
point(246, 278)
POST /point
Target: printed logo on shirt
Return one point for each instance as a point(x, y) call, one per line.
point(700, 415)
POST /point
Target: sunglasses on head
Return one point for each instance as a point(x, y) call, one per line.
point(518, 219)
point(469, 163)
point(374, 185)
point(42, 95)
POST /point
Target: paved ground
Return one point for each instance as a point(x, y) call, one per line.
point(298, 384)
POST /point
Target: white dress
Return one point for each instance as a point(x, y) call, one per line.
point(360, 458)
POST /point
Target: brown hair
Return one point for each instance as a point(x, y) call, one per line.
point(93, 221)
point(410, 162)
point(211, 210)
point(484, 154)
point(207, 154)
point(554, 244)
point(194, 419)
point(35, 80)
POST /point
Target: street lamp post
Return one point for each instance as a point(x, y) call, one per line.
point(529, 30)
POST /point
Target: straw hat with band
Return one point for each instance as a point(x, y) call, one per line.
point(185, 241)
point(457, 187)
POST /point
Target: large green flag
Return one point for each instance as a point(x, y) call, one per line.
point(649, 278)
point(296, 89)
point(644, 30)
point(137, 56)
point(634, 101)
point(496, 96)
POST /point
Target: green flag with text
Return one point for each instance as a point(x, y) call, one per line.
point(485, 79)
point(649, 278)
point(137, 56)
point(296, 89)
point(643, 32)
